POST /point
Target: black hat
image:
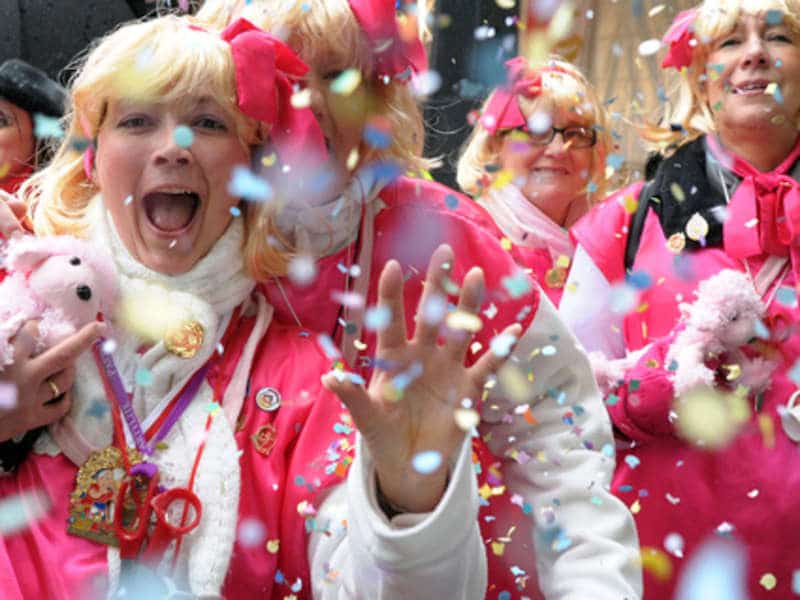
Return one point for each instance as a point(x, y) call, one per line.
point(31, 89)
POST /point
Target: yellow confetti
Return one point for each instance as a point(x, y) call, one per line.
point(4, 169)
point(514, 382)
point(768, 581)
point(498, 548)
point(485, 491)
point(771, 88)
point(502, 179)
point(656, 562)
point(630, 204)
point(656, 10)
point(352, 159)
point(360, 346)
point(466, 418)
point(636, 507)
point(734, 372)
point(269, 159)
point(273, 546)
point(475, 347)
point(767, 427)
point(710, 418)
point(347, 82)
point(677, 192)
point(301, 99)
point(562, 262)
point(463, 321)
point(506, 244)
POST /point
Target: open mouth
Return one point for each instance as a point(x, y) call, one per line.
point(550, 170)
point(171, 211)
point(751, 89)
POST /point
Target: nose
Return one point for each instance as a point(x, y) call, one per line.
point(84, 292)
point(755, 52)
point(168, 151)
point(557, 146)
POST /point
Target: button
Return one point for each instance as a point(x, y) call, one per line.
point(268, 399)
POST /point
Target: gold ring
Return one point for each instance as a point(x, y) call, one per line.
point(54, 388)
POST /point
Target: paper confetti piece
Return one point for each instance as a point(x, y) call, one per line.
point(717, 570)
point(517, 285)
point(246, 184)
point(709, 417)
point(697, 227)
point(143, 377)
point(302, 270)
point(347, 82)
point(460, 320)
point(426, 462)
point(8, 395)
point(501, 344)
point(768, 581)
point(18, 512)
point(46, 127)
point(377, 318)
point(251, 532)
point(466, 418)
point(273, 546)
point(649, 47)
point(656, 562)
point(301, 99)
point(183, 136)
point(673, 544)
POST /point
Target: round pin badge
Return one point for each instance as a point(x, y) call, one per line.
point(268, 399)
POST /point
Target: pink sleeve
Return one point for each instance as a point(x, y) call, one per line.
point(639, 406)
point(603, 232)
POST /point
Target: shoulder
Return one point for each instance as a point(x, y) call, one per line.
point(603, 231)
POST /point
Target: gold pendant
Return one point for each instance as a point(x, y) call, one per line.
point(264, 439)
point(556, 277)
point(185, 340)
point(93, 501)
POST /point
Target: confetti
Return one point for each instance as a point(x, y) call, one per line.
point(774, 17)
point(786, 296)
point(501, 344)
point(460, 320)
point(426, 462)
point(673, 544)
point(128, 200)
point(183, 136)
point(236, 211)
point(466, 418)
point(710, 418)
point(697, 227)
point(451, 201)
point(251, 532)
point(434, 309)
point(768, 581)
point(677, 192)
point(426, 83)
point(517, 285)
point(347, 82)
point(301, 99)
point(8, 395)
point(143, 377)
point(273, 546)
point(302, 270)
point(649, 47)
point(632, 461)
point(377, 318)
point(657, 563)
point(20, 511)
point(46, 127)
point(245, 184)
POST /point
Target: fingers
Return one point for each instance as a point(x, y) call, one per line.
point(54, 411)
point(24, 341)
point(490, 362)
point(9, 217)
point(390, 295)
point(354, 396)
point(433, 303)
point(63, 354)
point(465, 321)
point(55, 386)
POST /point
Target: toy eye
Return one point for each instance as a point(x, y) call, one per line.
point(84, 292)
point(734, 317)
point(74, 261)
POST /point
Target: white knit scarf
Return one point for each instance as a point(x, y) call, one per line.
point(208, 294)
point(524, 223)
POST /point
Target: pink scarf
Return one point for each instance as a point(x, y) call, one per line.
point(764, 212)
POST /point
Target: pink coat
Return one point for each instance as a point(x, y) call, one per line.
point(291, 456)
point(418, 217)
point(753, 484)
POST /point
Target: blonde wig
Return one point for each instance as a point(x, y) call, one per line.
point(715, 19)
point(564, 88)
point(327, 32)
point(161, 60)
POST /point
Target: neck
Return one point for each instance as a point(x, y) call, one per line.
point(765, 149)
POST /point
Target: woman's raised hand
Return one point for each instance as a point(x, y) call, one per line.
point(43, 382)
point(408, 411)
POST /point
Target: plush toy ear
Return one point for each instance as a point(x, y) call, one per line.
point(26, 253)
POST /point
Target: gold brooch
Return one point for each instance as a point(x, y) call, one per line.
point(185, 340)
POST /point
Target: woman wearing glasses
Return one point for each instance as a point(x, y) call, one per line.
point(535, 161)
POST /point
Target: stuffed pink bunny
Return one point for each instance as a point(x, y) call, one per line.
point(61, 281)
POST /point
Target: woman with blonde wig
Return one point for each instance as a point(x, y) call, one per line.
point(208, 452)
point(725, 197)
point(536, 162)
point(364, 60)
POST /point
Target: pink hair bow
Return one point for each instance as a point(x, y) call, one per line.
point(393, 54)
point(265, 70)
point(679, 38)
point(502, 111)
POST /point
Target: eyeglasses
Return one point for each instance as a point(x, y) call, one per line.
point(574, 137)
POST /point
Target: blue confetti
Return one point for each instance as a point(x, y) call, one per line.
point(607, 450)
point(245, 184)
point(592, 187)
point(143, 377)
point(612, 399)
point(342, 428)
point(183, 136)
point(236, 211)
point(794, 372)
point(774, 17)
point(796, 582)
point(328, 347)
point(716, 571)
point(377, 138)
point(761, 330)
point(549, 351)
point(504, 595)
point(623, 299)
point(517, 285)
point(426, 462)
point(451, 201)
point(279, 577)
point(527, 508)
point(615, 161)
point(46, 127)
point(377, 318)
point(640, 280)
point(387, 171)
point(786, 296)
point(626, 488)
point(632, 461)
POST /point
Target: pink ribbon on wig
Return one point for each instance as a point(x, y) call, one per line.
point(764, 212)
point(502, 110)
point(679, 38)
point(265, 70)
point(393, 54)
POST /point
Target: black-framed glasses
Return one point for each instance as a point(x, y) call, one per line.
point(574, 136)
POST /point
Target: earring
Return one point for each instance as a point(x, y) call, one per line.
point(88, 161)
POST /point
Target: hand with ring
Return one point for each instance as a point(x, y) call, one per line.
point(42, 382)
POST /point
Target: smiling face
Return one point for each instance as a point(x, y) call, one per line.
point(554, 176)
point(169, 203)
point(16, 139)
point(753, 77)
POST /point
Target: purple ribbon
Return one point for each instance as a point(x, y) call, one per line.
point(123, 400)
